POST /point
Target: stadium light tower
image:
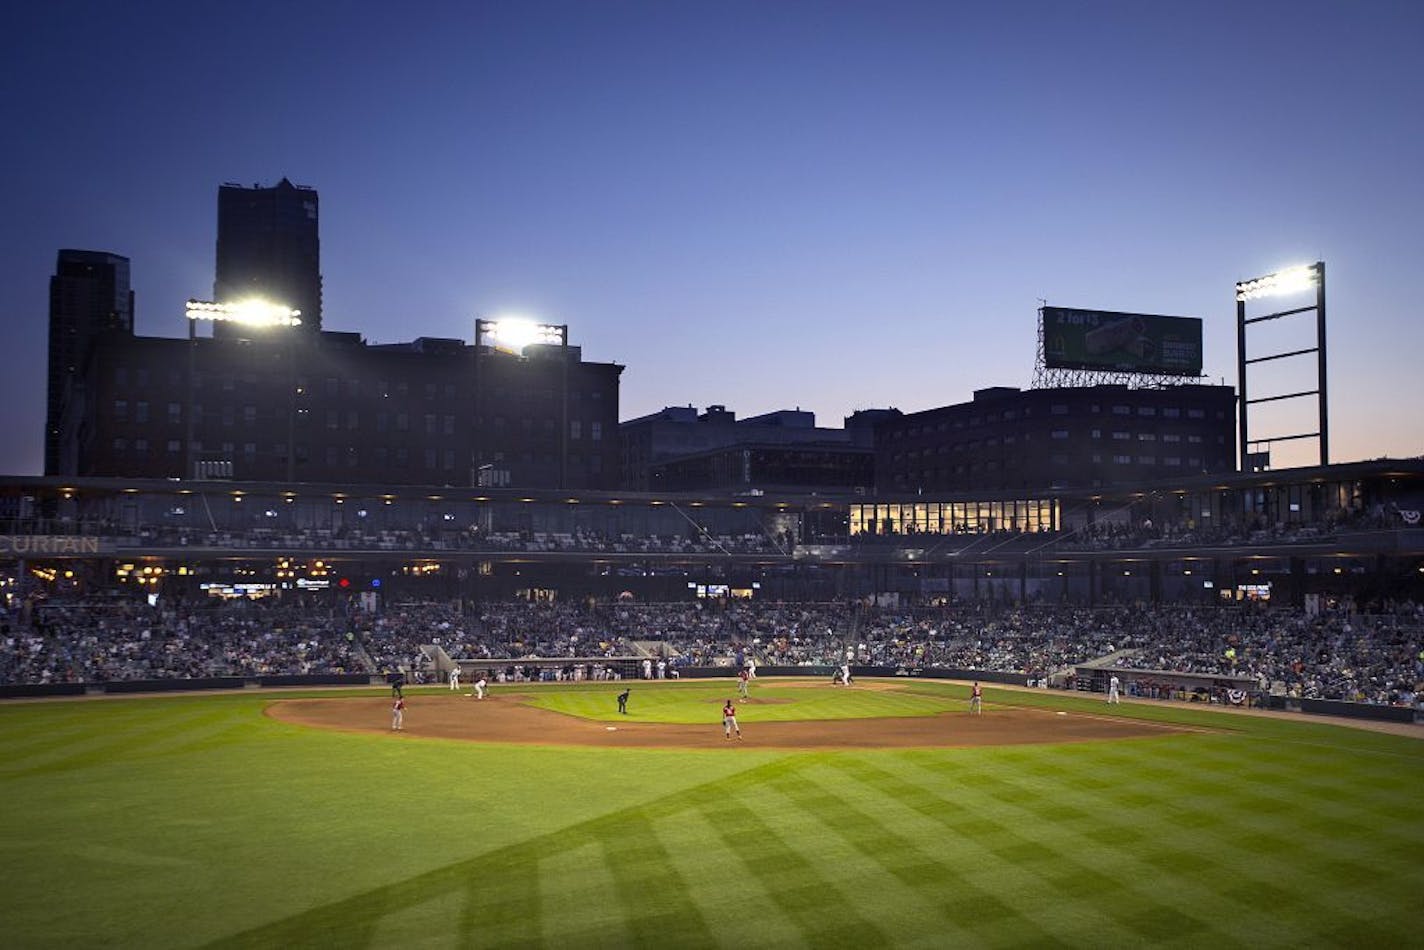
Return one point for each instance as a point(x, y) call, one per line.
point(252, 312)
point(1292, 280)
point(514, 335)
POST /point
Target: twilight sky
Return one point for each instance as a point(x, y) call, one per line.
point(768, 205)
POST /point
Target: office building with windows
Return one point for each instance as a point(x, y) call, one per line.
point(89, 296)
point(1071, 437)
point(269, 247)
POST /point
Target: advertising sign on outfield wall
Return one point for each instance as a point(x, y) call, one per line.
point(1123, 342)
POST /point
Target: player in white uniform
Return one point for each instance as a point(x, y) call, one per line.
point(480, 685)
point(455, 677)
point(1114, 688)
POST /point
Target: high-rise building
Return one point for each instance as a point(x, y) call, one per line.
point(268, 247)
point(89, 294)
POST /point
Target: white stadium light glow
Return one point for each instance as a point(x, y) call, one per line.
point(251, 312)
point(1288, 281)
point(516, 334)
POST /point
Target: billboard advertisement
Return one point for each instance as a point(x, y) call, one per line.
point(1121, 342)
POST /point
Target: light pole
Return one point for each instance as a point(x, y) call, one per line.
point(254, 313)
point(1289, 281)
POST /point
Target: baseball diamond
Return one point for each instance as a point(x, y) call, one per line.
point(882, 815)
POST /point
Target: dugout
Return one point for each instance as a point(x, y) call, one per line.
point(1221, 688)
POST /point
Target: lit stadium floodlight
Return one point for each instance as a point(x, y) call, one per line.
point(252, 312)
point(514, 334)
point(1288, 281)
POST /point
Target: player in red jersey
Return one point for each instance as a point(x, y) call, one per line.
point(976, 700)
point(729, 720)
point(398, 714)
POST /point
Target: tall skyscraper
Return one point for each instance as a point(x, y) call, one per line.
point(268, 247)
point(89, 294)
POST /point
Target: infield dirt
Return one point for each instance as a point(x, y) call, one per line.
point(508, 718)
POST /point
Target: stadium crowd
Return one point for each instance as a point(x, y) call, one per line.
point(1333, 654)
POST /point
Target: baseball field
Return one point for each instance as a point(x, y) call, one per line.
point(881, 815)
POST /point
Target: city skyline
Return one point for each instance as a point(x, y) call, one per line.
point(822, 206)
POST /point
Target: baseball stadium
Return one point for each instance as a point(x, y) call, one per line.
point(311, 641)
point(1182, 737)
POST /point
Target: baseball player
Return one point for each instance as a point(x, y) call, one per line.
point(729, 720)
point(623, 701)
point(976, 700)
point(1114, 686)
point(455, 677)
point(480, 685)
point(743, 678)
point(845, 674)
point(398, 714)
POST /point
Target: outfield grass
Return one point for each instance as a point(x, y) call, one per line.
point(192, 820)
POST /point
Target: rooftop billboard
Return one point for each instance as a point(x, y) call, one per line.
point(1121, 342)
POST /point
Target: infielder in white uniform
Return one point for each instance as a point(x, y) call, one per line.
point(455, 676)
point(1114, 685)
point(480, 685)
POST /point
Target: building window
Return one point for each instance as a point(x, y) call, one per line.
point(402, 422)
point(1123, 459)
point(1171, 437)
point(353, 420)
point(447, 460)
point(140, 414)
point(333, 419)
point(1195, 439)
point(595, 431)
point(174, 446)
point(249, 451)
point(1147, 437)
point(1147, 410)
point(1058, 409)
point(1122, 436)
point(1059, 433)
point(249, 415)
point(1173, 461)
point(430, 425)
point(1171, 412)
point(1196, 413)
point(1147, 460)
point(1122, 410)
point(140, 446)
point(121, 410)
point(121, 376)
point(430, 458)
point(175, 413)
point(575, 429)
point(448, 424)
point(331, 456)
point(383, 421)
point(121, 446)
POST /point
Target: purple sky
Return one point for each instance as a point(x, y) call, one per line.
point(768, 205)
